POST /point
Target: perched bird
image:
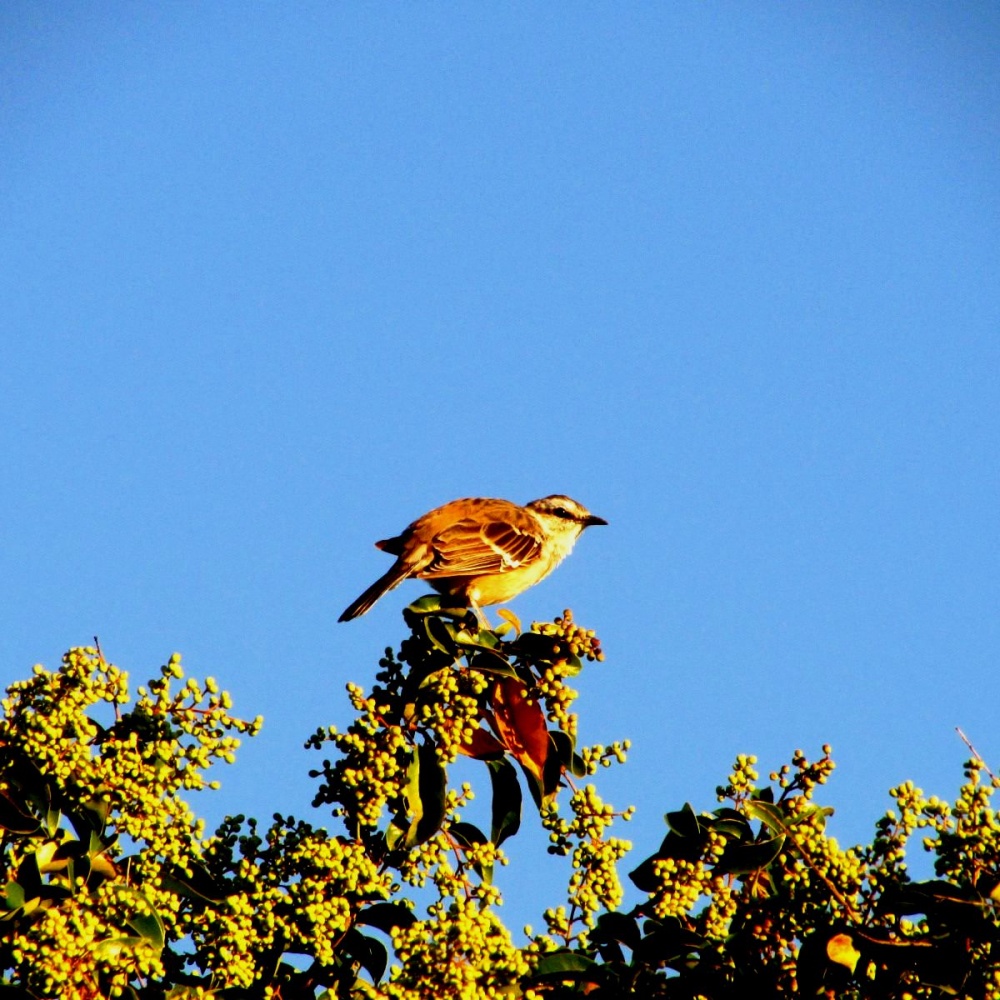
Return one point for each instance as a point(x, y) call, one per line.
point(481, 551)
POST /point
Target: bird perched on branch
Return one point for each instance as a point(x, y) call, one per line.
point(481, 551)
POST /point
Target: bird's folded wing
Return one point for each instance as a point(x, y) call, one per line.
point(471, 547)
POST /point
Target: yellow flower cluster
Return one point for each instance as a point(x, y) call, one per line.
point(597, 755)
point(450, 706)
point(462, 952)
point(298, 897)
point(110, 887)
point(77, 949)
point(572, 640)
point(594, 884)
point(683, 883)
point(371, 769)
point(95, 923)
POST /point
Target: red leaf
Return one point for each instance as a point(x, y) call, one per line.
point(482, 746)
point(521, 725)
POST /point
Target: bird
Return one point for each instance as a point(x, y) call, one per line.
point(481, 550)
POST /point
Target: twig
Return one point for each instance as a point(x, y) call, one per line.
point(975, 753)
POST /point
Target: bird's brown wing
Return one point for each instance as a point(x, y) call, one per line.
point(476, 546)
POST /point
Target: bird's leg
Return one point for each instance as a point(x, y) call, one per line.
point(478, 611)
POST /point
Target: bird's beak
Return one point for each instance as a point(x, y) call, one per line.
point(593, 519)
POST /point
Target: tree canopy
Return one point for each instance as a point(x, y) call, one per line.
point(113, 887)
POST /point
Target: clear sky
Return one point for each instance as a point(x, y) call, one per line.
point(275, 280)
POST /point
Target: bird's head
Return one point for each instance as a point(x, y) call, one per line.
point(559, 508)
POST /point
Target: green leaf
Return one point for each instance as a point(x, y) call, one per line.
point(946, 906)
point(507, 800)
point(425, 795)
point(731, 823)
point(488, 661)
point(769, 814)
point(146, 922)
point(429, 604)
point(13, 895)
point(562, 746)
point(440, 634)
point(615, 926)
point(14, 817)
point(91, 817)
point(481, 639)
point(370, 954)
point(741, 859)
point(200, 884)
point(564, 963)
point(112, 949)
point(53, 817)
point(666, 942)
point(684, 822)
point(386, 916)
point(644, 876)
point(149, 927)
point(552, 774)
point(467, 834)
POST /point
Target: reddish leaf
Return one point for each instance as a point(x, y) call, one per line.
point(521, 725)
point(482, 746)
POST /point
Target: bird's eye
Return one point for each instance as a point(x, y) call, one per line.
point(563, 512)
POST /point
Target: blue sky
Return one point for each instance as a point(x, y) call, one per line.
point(274, 281)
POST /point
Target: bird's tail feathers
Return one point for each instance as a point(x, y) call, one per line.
point(393, 578)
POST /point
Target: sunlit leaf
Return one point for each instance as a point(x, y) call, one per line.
point(49, 859)
point(768, 814)
point(425, 795)
point(479, 638)
point(508, 616)
point(112, 949)
point(13, 895)
point(840, 949)
point(428, 604)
